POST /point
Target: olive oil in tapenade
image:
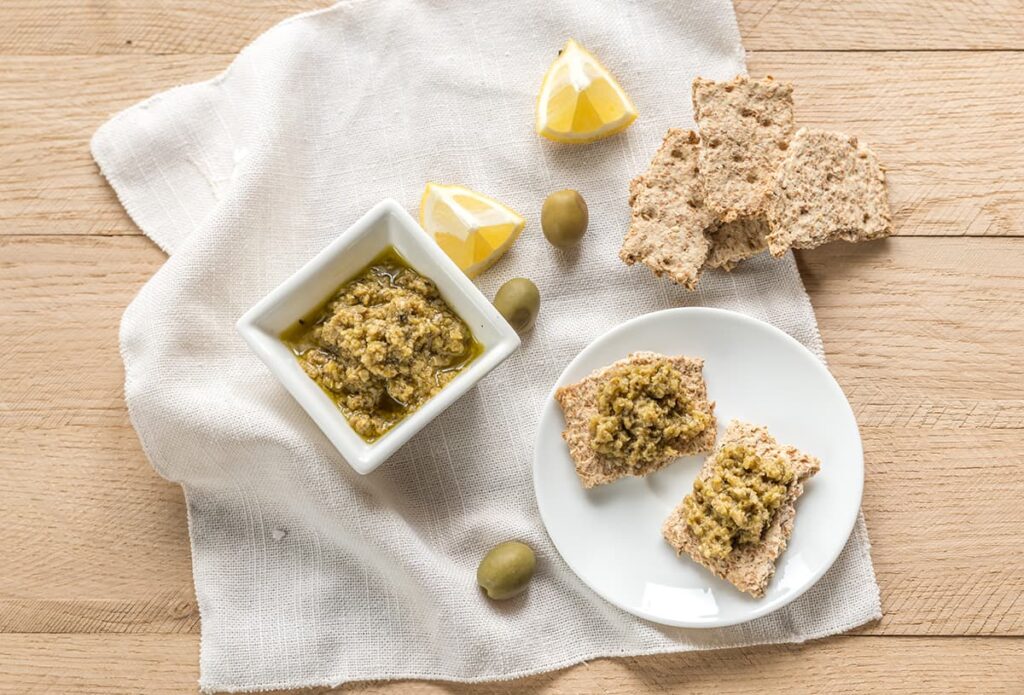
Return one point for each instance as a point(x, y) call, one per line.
point(382, 345)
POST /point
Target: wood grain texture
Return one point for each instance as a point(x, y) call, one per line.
point(920, 25)
point(159, 664)
point(70, 27)
point(164, 613)
point(94, 540)
point(948, 126)
point(923, 333)
point(49, 183)
point(924, 343)
point(927, 357)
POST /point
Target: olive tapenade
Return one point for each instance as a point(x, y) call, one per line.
point(383, 345)
point(735, 504)
point(643, 412)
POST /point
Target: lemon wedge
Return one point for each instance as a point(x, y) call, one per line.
point(580, 101)
point(471, 228)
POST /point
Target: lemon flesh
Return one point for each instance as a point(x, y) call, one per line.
point(471, 228)
point(580, 101)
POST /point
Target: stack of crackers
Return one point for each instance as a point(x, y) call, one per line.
point(748, 183)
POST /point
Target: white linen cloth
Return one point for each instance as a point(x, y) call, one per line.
point(307, 573)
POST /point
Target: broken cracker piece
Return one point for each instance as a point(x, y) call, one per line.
point(736, 241)
point(749, 567)
point(745, 127)
point(828, 187)
point(579, 404)
point(666, 232)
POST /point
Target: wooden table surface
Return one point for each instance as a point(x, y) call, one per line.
point(925, 333)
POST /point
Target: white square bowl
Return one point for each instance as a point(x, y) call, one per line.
point(386, 224)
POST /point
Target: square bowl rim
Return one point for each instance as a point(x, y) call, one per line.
point(262, 341)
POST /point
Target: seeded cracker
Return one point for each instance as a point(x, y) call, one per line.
point(828, 187)
point(666, 232)
point(748, 567)
point(579, 403)
point(745, 127)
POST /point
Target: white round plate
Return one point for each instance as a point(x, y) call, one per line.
point(611, 535)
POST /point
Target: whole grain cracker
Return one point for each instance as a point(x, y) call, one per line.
point(748, 567)
point(579, 404)
point(828, 187)
point(666, 231)
point(745, 126)
point(736, 241)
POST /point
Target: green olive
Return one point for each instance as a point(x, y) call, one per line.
point(564, 218)
point(518, 300)
point(506, 570)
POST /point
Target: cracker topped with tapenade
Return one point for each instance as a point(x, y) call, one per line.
point(739, 516)
point(636, 415)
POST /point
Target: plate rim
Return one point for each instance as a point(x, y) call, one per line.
point(819, 365)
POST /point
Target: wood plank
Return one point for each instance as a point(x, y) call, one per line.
point(919, 25)
point(197, 26)
point(941, 436)
point(929, 504)
point(947, 125)
point(164, 613)
point(70, 27)
point(922, 333)
point(96, 541)
point(49, 183)
point(79, 664)
point(158, 664)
